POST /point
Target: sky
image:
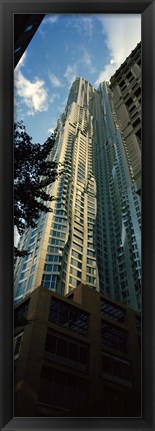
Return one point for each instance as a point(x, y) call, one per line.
point(65, 46)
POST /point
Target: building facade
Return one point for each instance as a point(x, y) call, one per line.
point(93, 235)
point(77, 355)
point(25, 26)
point(126, 88)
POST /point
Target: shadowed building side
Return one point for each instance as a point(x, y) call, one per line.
point(25, 26)
point(126, 87)
point(76, 355)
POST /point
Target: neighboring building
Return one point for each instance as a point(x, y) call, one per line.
point(77, 355)
point(93, 235)
point(25, 26)
point(126, 87)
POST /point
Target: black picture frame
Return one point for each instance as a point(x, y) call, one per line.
point(147, 10)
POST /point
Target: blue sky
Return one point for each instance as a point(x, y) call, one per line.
point(66, 46)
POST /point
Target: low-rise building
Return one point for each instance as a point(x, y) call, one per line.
point(77, 355)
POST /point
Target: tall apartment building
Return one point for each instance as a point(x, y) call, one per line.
point(93, 235)
point(126, 87)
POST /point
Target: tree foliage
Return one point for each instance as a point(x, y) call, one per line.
point(33, 172)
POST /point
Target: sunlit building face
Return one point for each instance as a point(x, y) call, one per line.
point(93, 235)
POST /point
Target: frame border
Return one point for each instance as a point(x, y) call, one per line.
point(147, 10)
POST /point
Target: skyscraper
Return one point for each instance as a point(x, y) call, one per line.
point(126, 87)
point(93, 235)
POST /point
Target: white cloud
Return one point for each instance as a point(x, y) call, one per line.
point(21, 62)
point(33, 94)
point(53, 97)
point(62, 106)
point(87, 25)
point(71, 72)
point(122, 33)
point(51, 19)
point(87, 60)
point(51, 130)
point(55, 81)
point(83, 24)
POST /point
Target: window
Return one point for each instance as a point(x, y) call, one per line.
point(32, 240)
point(21, 312)
point(90, 253)
point(69, 316)
point(91, 262)
point(138, 92)
point(24, 274)
point(58, 226)
point(55, 241)
point(74, 281)
point(129, 102)
point(116, 367)
point(30, 282)
point(28, 28)
point(90, 279)
point(129, 75)
point(79, 240)
point(75, 272)
point(113, 311)
point(59, 345)
point(91, 270)
point(52, 258)
point(114, 337)
point(51, 268)
point(77, 246)
point(90, 245)
point(20, 288)
point(76, 263)
point(33, 268)
point(17, 343)
point(136, 122)
point(57, 387)
point(58, 234)
point(77, 255)
point(49, 281)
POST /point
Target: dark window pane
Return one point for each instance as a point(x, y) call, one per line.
point(20, 313)
point(63, 315)
point(50, 344)
point(72, 380)
point(16, 351)
point(54, 309)
point(106, 365)
point(83, 355)
point(73, 352)
point(117, 368)
point(126, 372)
point(47, 373)
point(69, 316)
point(114, 337)
point(62, 347)
point(59, 377)
point(73, 320)
point(113, 311)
